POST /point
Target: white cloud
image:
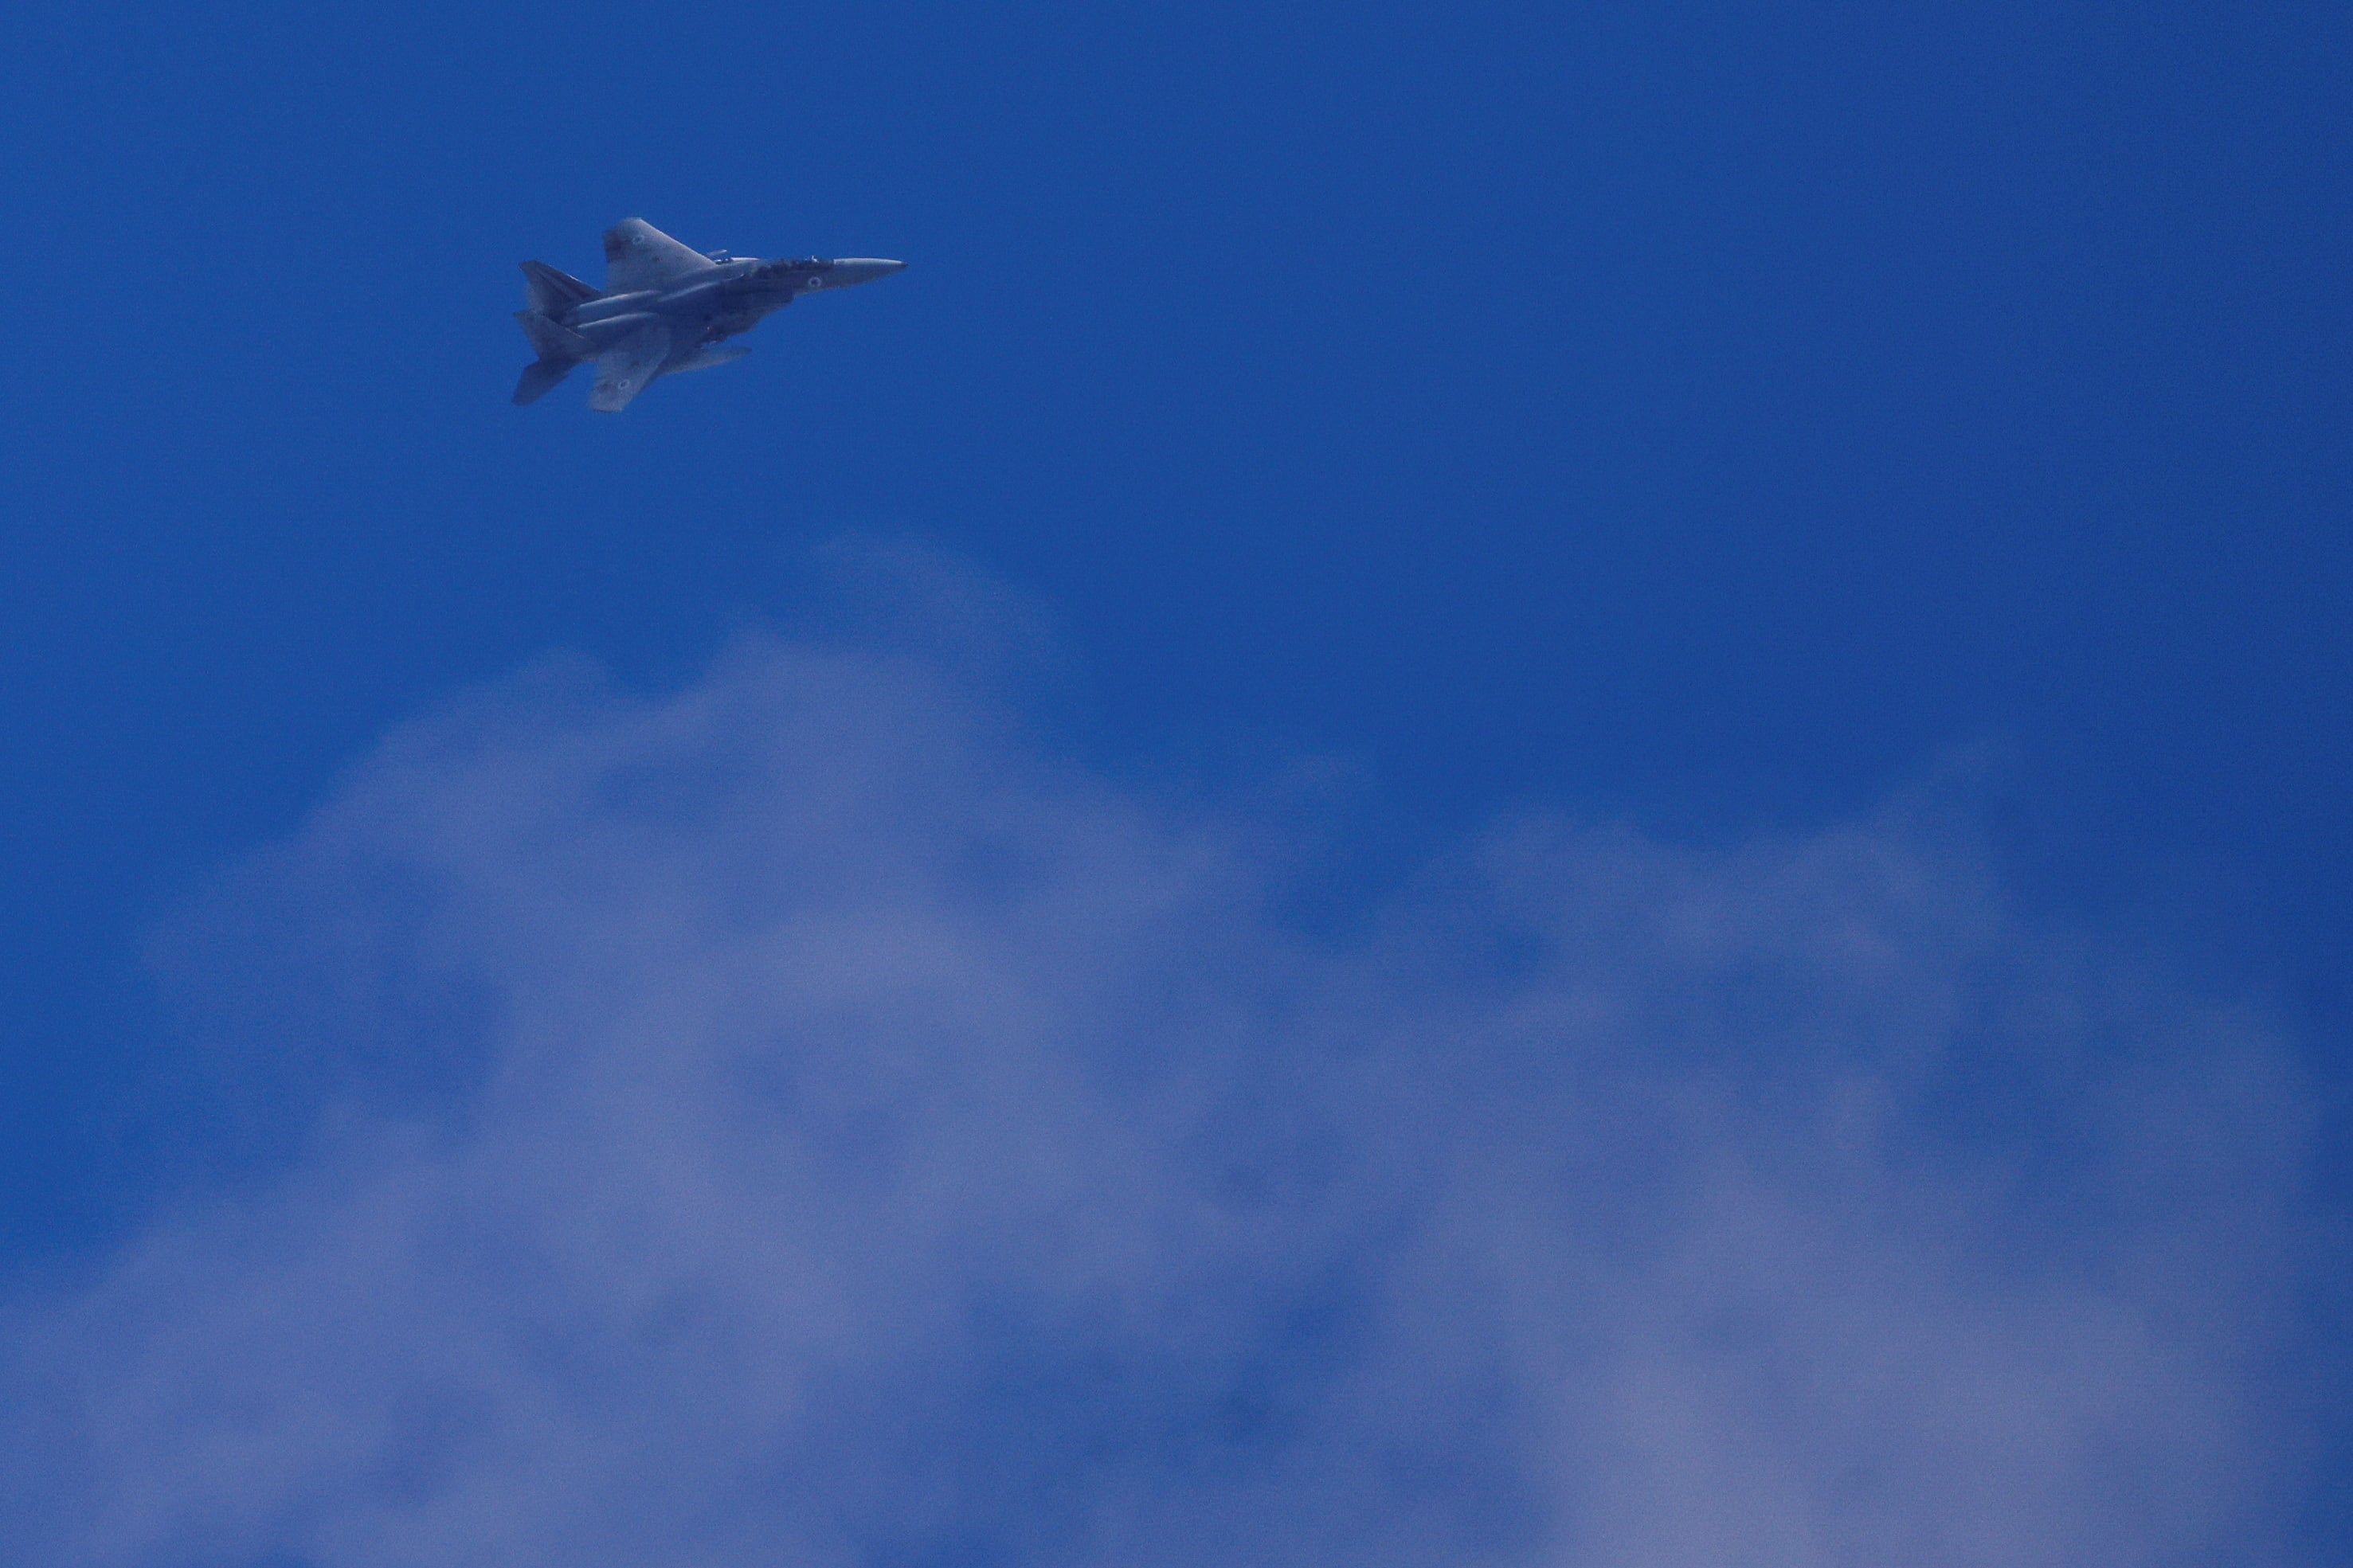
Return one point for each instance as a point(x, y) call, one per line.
point(789, 1122)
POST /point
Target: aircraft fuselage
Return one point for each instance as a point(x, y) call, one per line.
point(668, 307)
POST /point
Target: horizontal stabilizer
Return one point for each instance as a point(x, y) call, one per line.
point(552, 292)
point(539, 376)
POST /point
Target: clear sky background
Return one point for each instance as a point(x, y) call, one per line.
point(1353, 424)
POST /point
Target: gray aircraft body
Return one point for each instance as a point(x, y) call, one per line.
point(663, 309)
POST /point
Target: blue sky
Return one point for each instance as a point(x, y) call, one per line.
point(1351, 429)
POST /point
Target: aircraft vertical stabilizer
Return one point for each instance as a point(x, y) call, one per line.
point(552, 291)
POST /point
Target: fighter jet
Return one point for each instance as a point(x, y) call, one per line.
point(663, 309)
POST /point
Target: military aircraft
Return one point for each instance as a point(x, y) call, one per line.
point(663, 309)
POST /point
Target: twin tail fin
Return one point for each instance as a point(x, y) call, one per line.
point(552, 291)
point(560, 348)
point(554, 340)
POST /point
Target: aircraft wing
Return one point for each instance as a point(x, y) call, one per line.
point(623, 369)
point(640, 256)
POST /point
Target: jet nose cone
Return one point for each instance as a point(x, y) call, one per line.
point(864, 268)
